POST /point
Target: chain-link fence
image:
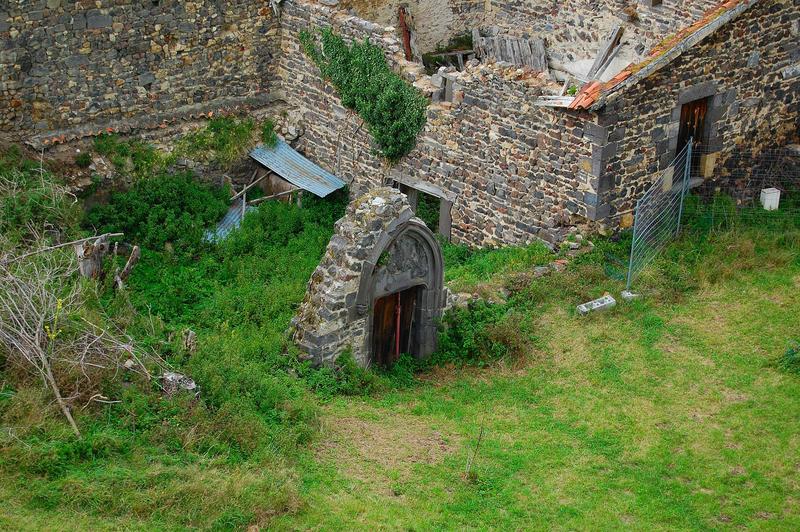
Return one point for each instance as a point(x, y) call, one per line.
point(716, 190)
point(732, 185)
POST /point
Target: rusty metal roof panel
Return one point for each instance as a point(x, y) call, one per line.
point(296, 169)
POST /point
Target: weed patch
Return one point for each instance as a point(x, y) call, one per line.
point(790, 361)
point(168, 209)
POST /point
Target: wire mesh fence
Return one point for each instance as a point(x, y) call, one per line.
point(657, 216)
point(734, 182)
point(716, 191)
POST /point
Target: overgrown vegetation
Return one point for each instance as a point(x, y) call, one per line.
point(223, 141)
point(562, 393)
point(257, 402)
point(31, 200)
point(268, 135)
point(393, 110)
point(428, 210)
point(167, 209)
point(135, 158)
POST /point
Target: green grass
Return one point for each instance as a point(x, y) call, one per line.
point(675, 411)
point(666, 413)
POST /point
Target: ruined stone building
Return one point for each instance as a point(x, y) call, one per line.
point(561, 117)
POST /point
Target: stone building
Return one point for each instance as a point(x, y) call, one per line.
point(514, 160)
point(510, 152)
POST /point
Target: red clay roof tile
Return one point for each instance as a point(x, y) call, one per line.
point(591, 92)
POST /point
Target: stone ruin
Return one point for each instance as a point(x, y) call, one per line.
point(378, 290)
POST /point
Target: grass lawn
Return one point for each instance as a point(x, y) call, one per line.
point(650, 416)
point(670, 412)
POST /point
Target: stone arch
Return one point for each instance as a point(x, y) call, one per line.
point(414, 261)
point(379, 249)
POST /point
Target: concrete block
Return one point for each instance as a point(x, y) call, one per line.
point(604, 303)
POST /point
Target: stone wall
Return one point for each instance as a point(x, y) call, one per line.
point(515, 171)
point(435, 22)
point(574, 29)
point(68, 65)
point(750, 71)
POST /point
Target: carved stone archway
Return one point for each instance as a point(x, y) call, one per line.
point(379, 251)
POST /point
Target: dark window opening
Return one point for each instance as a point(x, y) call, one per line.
point(393, 327)
point(694, 127)
point(431, 209)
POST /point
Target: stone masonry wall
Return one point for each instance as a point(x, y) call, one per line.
point(67, 65)
point(574, 29)
point(435, 22)
point(517, 171)
point(750, 70)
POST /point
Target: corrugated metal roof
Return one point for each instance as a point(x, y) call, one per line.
point(296, 169)
point(232, 220)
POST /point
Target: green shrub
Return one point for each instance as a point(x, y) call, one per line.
point(83, 159)
point(132, 157)
point(268, 135)
point(165, 208)
point(790, 361)
point(395, 112)
point(222, 141)
point(466, 336)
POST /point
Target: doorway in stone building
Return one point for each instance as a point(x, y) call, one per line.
point(431, 207)
point(694, 128)
point(393, 331)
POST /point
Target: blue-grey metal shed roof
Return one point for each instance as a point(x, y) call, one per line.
point(296, 169)
point(232, 220)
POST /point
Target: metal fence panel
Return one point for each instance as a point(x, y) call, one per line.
point(657, 215)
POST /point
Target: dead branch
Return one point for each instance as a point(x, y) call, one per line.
point(43, 330)
point(121, 277)
point(58, 246)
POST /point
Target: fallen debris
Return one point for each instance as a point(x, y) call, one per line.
point(603, 303)
point(173, 383)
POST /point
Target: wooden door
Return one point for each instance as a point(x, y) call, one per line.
point(393, 326)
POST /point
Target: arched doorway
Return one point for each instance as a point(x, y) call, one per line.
point(379, 289)
point(403, 291)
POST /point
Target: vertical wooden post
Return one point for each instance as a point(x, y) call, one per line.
point(397, 329)
point(300, 199)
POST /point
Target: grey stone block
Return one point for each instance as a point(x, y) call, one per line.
point(604, 303)
point(95, 20)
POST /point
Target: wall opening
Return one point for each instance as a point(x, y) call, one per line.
point(393, 327)
point(694, 126)
point(432, 209)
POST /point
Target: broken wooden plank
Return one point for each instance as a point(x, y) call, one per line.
point(554, 101)
point(611, 42)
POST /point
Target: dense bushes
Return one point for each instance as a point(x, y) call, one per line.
point(393, 110)
point(172, 208)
